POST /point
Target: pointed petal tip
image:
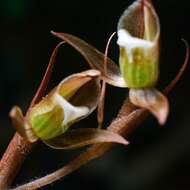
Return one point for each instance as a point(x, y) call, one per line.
point(152, 100)
point(121, 140)
point(13, 111)
point(78, 138)
point(52, 32)
point(125, 142)
point(163, 115)
point(56, 34)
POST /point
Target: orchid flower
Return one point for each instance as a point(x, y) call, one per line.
point(138, 40)
point(51, 118)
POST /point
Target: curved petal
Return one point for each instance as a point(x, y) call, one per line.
point(18, 121)
point(81, 89)
point(153, 100)
point(140, 21)
point(95, 59)
point(77, 138)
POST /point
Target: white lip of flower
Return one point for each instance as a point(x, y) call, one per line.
point(129, 43)
point(70, 112)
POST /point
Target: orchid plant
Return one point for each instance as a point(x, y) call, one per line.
point(50, 119)
point(78, 95)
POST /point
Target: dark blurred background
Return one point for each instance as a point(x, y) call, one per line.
point(157, 158)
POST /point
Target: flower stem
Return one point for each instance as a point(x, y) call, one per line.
point(12, 160)
point(127, 120)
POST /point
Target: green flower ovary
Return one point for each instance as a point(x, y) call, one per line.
point(48, 125)
point(141, 72)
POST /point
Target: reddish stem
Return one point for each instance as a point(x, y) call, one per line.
point(13, 159)
point(18, 148)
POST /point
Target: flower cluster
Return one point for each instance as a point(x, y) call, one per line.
point(78, 95)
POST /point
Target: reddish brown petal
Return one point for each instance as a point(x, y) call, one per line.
point(77, 138)
point(95, 59)
point(153, 100)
